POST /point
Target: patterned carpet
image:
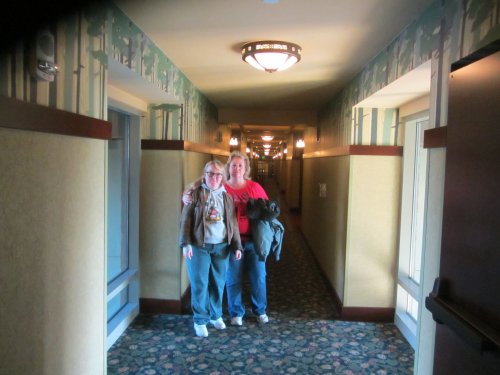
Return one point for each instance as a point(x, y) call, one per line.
point(302, 336)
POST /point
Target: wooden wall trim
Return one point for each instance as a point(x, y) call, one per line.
point(334, 151)
point(368, 314)
point(186, 301)
point(337, 303)
point(160, 144)
point(159, 306)
point(376, 150)
point(18, 114)
point(355, 314)
point(156, 144)
point(436, 137)
point(356, 150)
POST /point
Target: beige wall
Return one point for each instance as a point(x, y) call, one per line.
point(324, 219)
point(52, 255)
point(293, 181)
point(164, 174)
point(353, 229)
point(161, 186)
point(371, 261)
point(193, 167)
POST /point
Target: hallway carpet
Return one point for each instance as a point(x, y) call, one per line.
point(302, 336)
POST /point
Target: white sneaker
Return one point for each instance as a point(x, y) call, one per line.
point(201, 330)
point(237, 321)
point(218, 323)
point(263, 319)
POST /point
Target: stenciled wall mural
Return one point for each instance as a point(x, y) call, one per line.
point(132, 48)
point(375, 126)
point(446, 32)
point(83, 44)
point(76, 48)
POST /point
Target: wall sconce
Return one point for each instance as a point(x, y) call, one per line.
point(300, 143)
point(285, 151)
point(233, 141)
point(247, 150)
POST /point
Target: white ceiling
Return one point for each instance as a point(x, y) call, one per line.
point(414, 84)
point(338, 38)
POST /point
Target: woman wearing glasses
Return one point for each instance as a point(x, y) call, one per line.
point(208, 229)
point(242, 188)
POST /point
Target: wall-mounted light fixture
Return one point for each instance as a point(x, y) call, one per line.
point(233, 141)
point(271, 55)
point(300, 143)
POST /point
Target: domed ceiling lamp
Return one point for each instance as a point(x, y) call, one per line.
point(267, 138)
point(271, 55)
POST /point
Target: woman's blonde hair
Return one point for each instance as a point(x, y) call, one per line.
point(218, 164)
point(238, 154)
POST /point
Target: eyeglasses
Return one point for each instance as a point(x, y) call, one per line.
point(212, 174)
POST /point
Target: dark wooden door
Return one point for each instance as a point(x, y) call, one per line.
point(467, 298)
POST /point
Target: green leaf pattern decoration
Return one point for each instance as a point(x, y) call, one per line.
point(447, 31)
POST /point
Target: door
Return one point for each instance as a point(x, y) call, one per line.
point(466, 296)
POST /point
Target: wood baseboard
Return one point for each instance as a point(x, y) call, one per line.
point(159, 306)
point(368, 314)
point(186, 301)
point(166, 306)
point(358, 314)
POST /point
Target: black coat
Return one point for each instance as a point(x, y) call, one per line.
point(267, 231)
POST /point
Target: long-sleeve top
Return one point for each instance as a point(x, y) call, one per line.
point(241, 196)
point(192, 226)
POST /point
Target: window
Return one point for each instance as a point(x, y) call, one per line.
point(412, 227)
point(122, 225)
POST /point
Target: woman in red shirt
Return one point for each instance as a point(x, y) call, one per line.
point(241, 188)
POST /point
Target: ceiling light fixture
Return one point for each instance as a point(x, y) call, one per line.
point(271, 55)
point(300, 143)
point(267, 138)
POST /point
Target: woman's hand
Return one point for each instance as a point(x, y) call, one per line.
point(187, 197)
point(237, 254)
point(187, 251)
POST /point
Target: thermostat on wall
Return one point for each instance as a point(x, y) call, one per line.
point(42, 63)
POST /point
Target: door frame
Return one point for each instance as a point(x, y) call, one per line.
point(130, 277)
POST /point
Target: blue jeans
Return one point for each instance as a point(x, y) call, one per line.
point(257, 275)
point(207, 274)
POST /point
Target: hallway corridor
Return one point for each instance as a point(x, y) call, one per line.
point(302, 336)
